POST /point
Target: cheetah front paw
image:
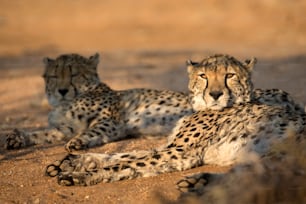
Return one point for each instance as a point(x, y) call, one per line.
point(194, 183)
point(75, 144)
point(69, 164)
point(15, 140)
point(74, 170)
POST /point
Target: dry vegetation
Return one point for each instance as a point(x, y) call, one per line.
point(143, 44)
point(271, 180)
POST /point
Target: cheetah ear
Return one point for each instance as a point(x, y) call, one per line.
point(190, 65)
point(47, 61)
point(94, 59)
point(250, 63)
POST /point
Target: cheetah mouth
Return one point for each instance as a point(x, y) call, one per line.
point(65, 98)
point(216, 106)
point(56, 101)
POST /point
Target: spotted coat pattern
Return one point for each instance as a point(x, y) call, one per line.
point(86, 112)
point(230, 120)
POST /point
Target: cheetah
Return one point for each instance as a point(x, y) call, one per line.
point(230, 120)
point(87, 112)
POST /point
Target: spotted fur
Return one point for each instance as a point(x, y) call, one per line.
point(222, 131)
point(86, 112)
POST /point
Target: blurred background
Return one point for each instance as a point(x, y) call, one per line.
point(274, 26)
point(146, 43)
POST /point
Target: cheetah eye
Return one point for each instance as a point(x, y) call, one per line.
point(230, 75)
point(203, 76)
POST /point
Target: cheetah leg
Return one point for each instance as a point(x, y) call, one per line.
point(195, 183)
point(97, 134)
point(89, 169)
point(84, 169)
point(19, 139)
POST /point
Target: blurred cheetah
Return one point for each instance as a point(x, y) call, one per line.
point(86, 112)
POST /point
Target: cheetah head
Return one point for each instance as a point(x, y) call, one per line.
point(220, 81)
point(69, 75)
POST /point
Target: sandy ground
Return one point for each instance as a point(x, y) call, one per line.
point(142, 44)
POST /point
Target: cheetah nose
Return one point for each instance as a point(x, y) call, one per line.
point(63, 92)
point(216, 94)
